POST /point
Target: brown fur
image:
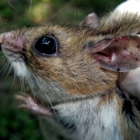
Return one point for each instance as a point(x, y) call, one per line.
point(73, 70)
point(78, 72)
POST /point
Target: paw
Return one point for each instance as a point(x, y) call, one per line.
point(31, 104)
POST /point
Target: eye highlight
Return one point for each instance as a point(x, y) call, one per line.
point(46, 46)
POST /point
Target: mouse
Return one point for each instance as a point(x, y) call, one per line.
point(74, 74)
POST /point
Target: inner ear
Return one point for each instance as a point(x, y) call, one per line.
point(90, 21)
point(118, 54)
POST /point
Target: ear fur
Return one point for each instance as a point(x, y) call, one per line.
point(90, 21)
point(121, 53)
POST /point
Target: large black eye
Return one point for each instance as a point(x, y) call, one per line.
point(46, 46)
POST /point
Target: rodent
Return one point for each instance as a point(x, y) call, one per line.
point(74, 76)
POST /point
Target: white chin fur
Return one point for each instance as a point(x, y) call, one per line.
point(20, 69)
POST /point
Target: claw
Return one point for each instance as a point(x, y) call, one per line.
point(35, 107)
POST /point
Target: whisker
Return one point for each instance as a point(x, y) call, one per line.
point(14, 77)
point(30, 6)
point(60, 11)
point(55, 15)
point(8, 73)
point(7, 24)
point(12, 6)
point(22, 85)
point(36, 17)
point(9, 91)
point(48, 99)
point(4, 69)
point(2, 57)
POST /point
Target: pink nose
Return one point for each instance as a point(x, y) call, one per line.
point(12, 42)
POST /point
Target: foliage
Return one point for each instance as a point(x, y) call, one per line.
point(18, 125)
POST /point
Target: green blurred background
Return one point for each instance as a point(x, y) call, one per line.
point(17, 124)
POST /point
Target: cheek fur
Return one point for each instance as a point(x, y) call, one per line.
point(77, 80)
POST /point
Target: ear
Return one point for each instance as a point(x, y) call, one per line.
point(91, 21)
point(121, 53)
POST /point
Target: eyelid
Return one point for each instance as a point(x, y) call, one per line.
point(48, 49)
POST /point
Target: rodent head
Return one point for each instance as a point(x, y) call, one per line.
point(80, 61)
point(69, 65)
